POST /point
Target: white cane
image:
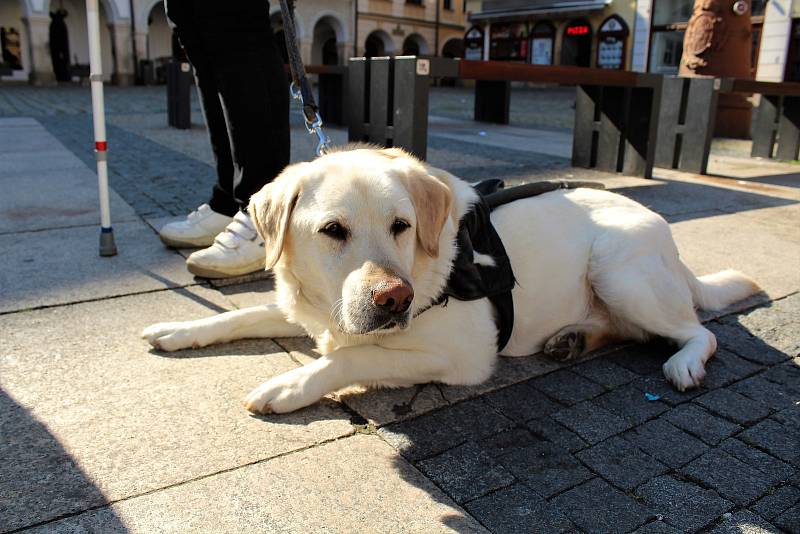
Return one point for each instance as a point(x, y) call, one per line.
point(107, 245)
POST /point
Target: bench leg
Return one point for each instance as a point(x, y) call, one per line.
point(789, 129)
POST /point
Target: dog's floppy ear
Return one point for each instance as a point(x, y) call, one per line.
point(271, 208)
point(432, 201)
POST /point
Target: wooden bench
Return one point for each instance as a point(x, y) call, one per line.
point(616, 112)
point(776, 131)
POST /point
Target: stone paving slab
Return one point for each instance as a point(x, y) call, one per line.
point(94, 414)
point(62, 266)
point(357, 484)
point(717, 242)
point(56, 199)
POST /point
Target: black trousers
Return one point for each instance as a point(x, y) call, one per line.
point(243, 90)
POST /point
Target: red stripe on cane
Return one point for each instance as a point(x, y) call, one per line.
point(101, 146)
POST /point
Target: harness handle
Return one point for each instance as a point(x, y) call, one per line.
point(300, 87)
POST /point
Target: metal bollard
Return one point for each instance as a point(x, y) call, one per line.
point(179, 83)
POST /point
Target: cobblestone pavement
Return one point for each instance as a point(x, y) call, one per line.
point(607, 446)
point(598, 445)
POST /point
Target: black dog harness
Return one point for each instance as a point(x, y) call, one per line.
point(472, 281)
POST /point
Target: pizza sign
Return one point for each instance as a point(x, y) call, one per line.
point(578, 30)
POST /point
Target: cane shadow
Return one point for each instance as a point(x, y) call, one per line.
point(39, 480)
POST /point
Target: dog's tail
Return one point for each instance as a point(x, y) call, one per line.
point(717, 291)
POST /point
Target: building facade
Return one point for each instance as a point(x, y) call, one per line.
point(45, 41)
point(410, 27)
point(639, 35)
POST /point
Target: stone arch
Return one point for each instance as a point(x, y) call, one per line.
point(378, 43)
point(453, 48)
point(42, 7)
point(415, 45)
point(159, 34)
point(142, 14)
point(328, 44)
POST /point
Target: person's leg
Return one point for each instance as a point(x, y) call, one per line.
point(201, 226)
point(255, 101)
point(255, 98)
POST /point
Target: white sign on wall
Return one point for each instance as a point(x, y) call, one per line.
point(542, 51)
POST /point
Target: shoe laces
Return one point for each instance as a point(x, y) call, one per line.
point(240, 229)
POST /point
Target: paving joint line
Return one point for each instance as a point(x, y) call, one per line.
point(182, 483)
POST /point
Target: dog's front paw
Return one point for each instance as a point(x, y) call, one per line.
point(684, 372)
point(171, 336)
point(284, 393)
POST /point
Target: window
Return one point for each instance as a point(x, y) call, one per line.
point(541, 45)
point(414, 2)
point(448, 5)
point(611, 40)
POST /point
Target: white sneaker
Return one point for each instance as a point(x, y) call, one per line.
point(237, 250)
point(197, 230)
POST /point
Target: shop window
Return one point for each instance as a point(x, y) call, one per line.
point(509, 41)
point(473, 44)
point(542, 38)
point(611, 40)
point(667, 12)
point(576, 45)
point(665, 52)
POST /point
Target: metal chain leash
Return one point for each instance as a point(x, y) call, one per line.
point(300, 87)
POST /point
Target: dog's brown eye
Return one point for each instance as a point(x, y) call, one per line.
point(335, 231)
point(399, 226)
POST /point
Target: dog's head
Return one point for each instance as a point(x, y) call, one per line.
point(351, 229)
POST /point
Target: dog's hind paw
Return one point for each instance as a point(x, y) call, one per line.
point(566, 345)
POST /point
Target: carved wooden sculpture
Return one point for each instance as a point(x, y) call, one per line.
point(718, 43)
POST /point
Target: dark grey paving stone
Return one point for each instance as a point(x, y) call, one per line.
point(683, 504)
point(517, 509)
point(789, 520)
point(567, 387)
point(554, 432)
point(658, 385)
point(777, 439)
point(741, 342)
point(787, 374)
point(734, 406)
point(621, 463)
point(726, 367)
point(605, 372)
point(631, 404)
point(789, 417)
point(438, 431)
point(701, 423)
point(776, 396)
point(644, 359)
point(521, 402)
point(595, 506)
point(776, 502)
point(665, 442)
point(590, 422)
point(776, 470)
point(545, 468)
point(507, 441)
point(466, 472)
point(743, 522)
point(656, 527)
point(730, 477)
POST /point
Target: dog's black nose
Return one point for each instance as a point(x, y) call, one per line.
point(394, 296)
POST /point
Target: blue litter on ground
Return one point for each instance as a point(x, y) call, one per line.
point(651, 397)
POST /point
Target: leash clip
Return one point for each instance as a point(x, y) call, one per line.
point(313, 127)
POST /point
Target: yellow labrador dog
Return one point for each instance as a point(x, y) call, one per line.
point(362, 243)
